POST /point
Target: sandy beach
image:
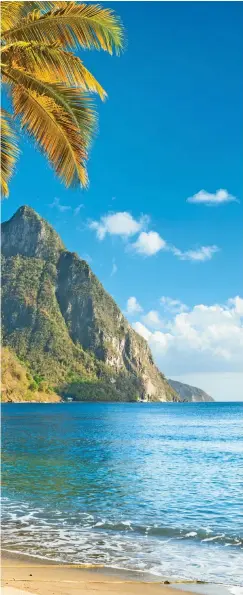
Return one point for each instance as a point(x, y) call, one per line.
point(41, 578)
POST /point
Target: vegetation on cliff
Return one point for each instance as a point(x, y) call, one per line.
point(18, 384)
point(62, 324)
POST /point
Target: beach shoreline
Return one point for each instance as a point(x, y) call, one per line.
point(45, 577)
point(86, 495)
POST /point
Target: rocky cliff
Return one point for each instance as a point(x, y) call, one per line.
point(188, 393)
point(60, 321)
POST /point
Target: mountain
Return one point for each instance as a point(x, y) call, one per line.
point(62, 325)
point(189, 394)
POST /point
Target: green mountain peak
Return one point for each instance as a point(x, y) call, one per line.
point(28, 234)
point(64, 326)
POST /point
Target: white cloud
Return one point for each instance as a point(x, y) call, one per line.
point(78, 209)
point(173, 306)
point(205, 339)
point(237, 304)
point(142, 330)
point(149, 243)
point(199, 255)
point(133, 307)
point(61, 208)
point(203, 197)
point(121, 224)
point(114, 268)
point(153, 320)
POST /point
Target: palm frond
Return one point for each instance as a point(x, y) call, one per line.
point(10, 13)
point(60, 119)
point(72, 24)
point(49, 84)
point(53, 131)
point(51, 64)
point(59, 93)
point(42, 5)
point(9, 150)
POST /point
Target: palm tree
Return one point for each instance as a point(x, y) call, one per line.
point(50, 86)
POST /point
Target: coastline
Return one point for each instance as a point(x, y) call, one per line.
point(139, 536)
point(23, 574)
point(43, 577)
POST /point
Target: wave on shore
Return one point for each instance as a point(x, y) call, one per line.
point(84, 538)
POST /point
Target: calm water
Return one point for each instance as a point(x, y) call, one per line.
point(152, 487)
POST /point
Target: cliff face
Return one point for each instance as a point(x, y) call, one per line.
point(58, 318)
point(26, 233)
point(190, 394)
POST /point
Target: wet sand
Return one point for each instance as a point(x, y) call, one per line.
point(32, 576)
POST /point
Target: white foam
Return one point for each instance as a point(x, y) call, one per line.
point(57, 537)
point(213, 538)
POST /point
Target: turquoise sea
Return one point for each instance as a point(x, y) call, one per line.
point(155, 488)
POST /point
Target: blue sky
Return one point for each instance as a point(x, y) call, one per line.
point(172, 126)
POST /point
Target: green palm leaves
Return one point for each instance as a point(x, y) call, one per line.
point(50, 86)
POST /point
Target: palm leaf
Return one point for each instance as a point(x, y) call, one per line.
point(43, 6)
point(72, 24)
point(59, 93)
point(10, 12)
point(50, 64)
point(60, 119)
point(54, 132)
point(49, 84)
point(9, 150)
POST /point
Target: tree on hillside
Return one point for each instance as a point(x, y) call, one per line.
point(49, 85)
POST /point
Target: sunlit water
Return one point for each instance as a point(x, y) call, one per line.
point(151, 487)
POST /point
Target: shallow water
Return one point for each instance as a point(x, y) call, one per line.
point(151, 487)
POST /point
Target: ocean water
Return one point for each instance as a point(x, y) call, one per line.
point(156, 488)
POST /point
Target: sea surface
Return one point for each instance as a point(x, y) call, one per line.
point(156, 488)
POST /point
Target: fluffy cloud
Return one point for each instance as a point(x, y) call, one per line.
point(173, 306)
point(149, 243)
point(133, 307)
point(56, 204)
point(120, 224)
point(142, 330)
point(237, 304)
point(200, 255)
point(153, 320)
point(205, 339)
point(208, 199)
